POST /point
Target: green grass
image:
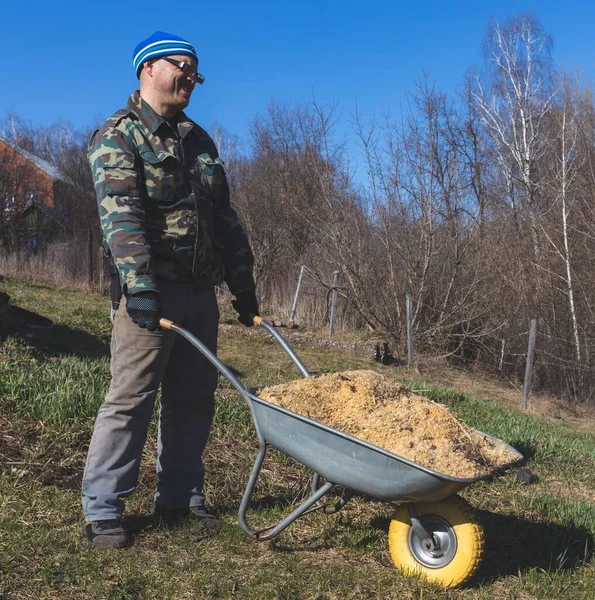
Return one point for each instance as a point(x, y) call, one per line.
point(539, 538)
point(57, 390)
point(557, 450)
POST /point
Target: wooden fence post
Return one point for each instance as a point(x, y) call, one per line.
point(409, 302)
point(334, 303)
point(297, 295)
point(502, 354)
point(529, 367)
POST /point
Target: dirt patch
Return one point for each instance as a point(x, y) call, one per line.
point(482, 386)
point(377, 410)
point(34, 453)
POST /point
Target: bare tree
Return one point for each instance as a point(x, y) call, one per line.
point(513, 100)
point(567, 165)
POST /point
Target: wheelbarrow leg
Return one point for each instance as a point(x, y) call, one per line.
point(335, 508)
point(270, 532)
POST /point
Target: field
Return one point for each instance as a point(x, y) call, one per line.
point(539, 537)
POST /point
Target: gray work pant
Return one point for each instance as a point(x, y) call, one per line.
point(141, 361)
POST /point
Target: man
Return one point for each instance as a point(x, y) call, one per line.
point(164, 208)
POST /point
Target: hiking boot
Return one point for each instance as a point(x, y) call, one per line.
point(110, 533)
point(196, 514)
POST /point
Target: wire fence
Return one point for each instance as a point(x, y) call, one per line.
point(323, 302)
point(535, 356)
point(76, 264)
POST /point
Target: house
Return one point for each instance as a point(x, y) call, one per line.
point(35, 199)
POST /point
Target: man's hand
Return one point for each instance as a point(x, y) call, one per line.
point(246, 305)
point(144, 309)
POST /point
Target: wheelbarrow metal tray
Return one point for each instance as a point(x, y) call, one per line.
point(352, 463)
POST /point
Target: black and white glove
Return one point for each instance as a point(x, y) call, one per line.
point(144, 309)
point(246, 305)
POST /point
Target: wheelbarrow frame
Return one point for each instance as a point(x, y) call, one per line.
point(341, 459)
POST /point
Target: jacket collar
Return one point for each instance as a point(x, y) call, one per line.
point(152, 121)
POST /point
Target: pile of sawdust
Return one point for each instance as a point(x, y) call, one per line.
point(376, 410)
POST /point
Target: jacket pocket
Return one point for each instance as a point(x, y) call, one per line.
point(121, 178)
point(212, 171)
point(162, 175)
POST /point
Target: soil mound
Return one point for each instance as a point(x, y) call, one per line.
point(379, 411)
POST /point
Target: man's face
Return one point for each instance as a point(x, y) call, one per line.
point(170, 83)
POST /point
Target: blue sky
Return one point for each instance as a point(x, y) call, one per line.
point(66, 60)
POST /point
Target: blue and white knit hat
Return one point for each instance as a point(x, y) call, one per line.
point(160, 44)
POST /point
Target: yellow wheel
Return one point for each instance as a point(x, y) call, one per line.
point(455, 550)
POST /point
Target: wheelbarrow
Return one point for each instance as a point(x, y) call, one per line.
point(433, 533)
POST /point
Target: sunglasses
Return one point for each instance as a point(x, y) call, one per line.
point(187, 68)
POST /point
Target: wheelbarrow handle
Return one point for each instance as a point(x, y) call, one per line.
point(220, 366)
point(167, 324)
point(283, 343)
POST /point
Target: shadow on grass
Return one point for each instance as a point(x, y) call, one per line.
point(526, 449)
point(238, 374)
point(58, 340)
point(141, 524)
point(514, 544)
point(281, 501)
point(66, 340)
point(137, 523)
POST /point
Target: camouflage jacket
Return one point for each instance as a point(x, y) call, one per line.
point(163, 202)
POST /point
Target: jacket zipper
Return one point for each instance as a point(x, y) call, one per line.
point(183, 156)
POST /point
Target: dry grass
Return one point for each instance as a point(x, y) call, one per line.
point(434, 371)
point(59, 266)
point(508, 393)
point(539, 539)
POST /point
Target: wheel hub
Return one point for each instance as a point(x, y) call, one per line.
point(435, 552)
